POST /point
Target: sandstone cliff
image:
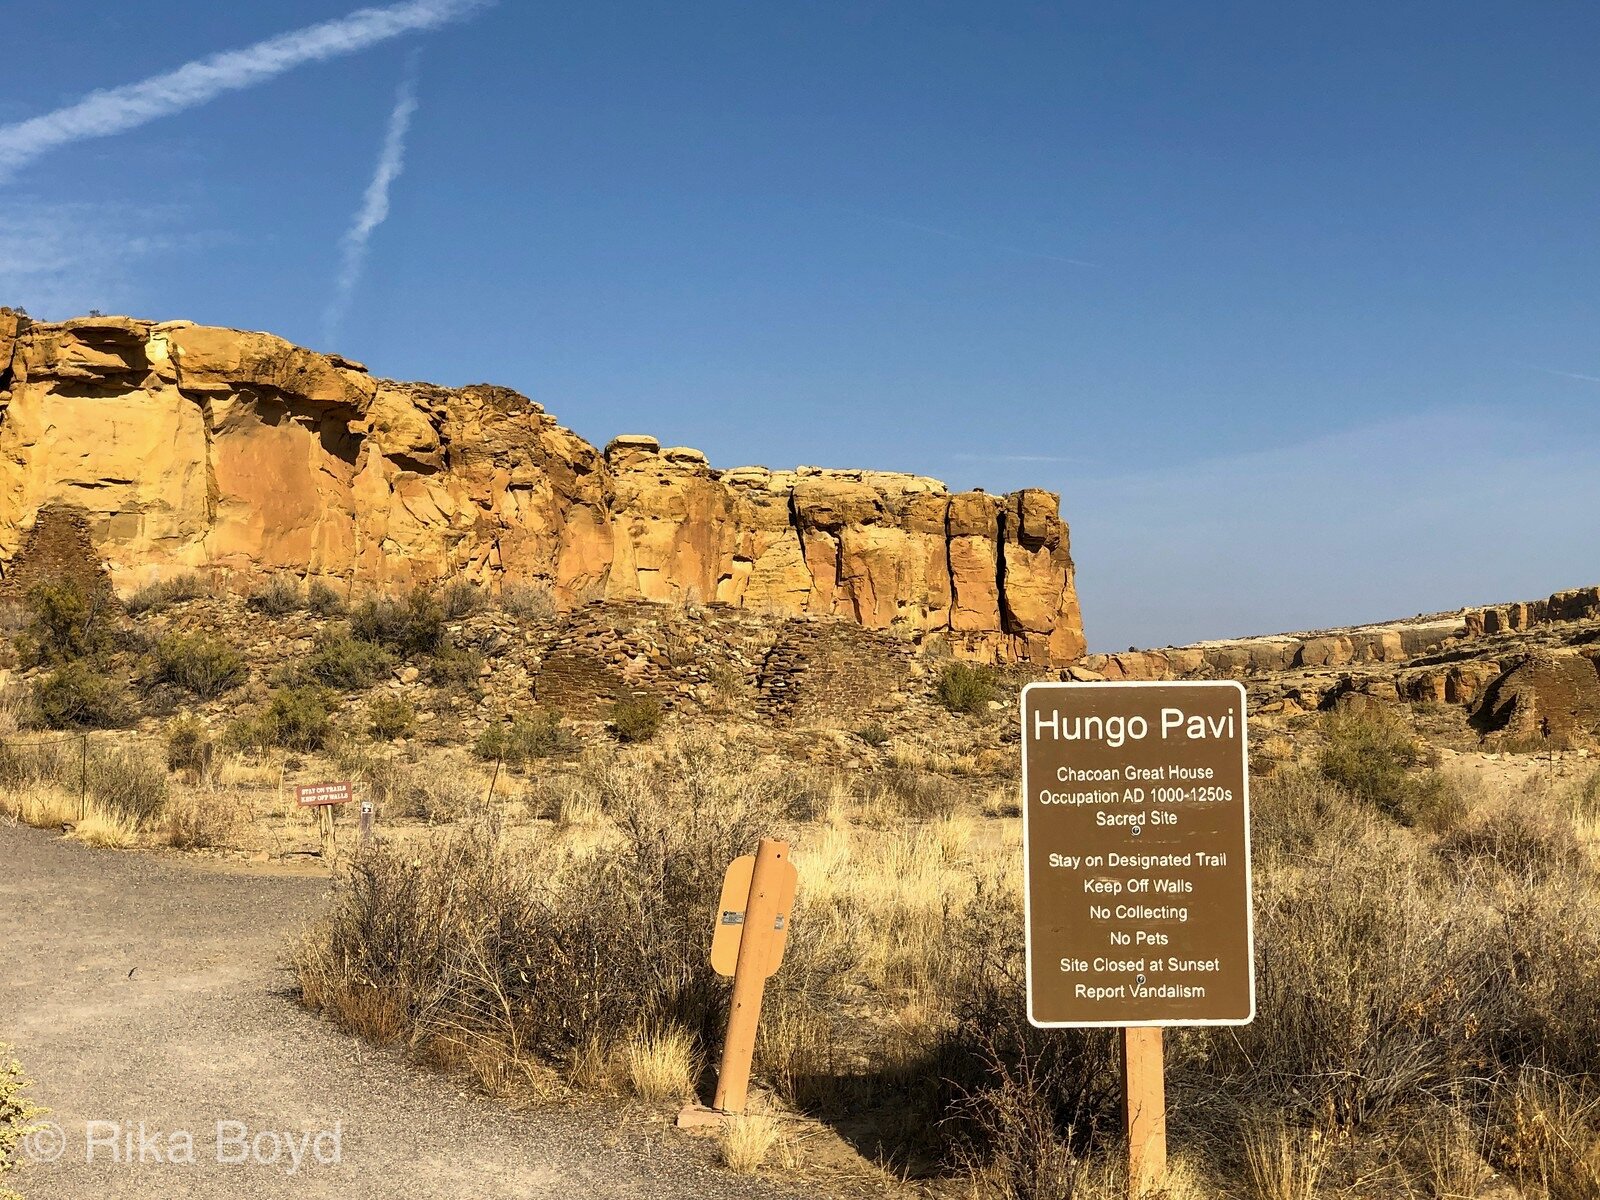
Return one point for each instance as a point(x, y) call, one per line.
point(190, 447)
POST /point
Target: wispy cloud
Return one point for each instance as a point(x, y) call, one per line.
point(374, 204)
point(116, 110)
point(1568, 374)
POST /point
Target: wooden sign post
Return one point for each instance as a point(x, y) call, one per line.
point(1136, 848)
point(322, 797)
point(1144, 1108)
point(364, 830)
point(751, 933)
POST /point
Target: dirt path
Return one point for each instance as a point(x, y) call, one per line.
point(141, 988)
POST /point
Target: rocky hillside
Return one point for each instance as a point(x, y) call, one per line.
point(1524, 673)
point(240, 455)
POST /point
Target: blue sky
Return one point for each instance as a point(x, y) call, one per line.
point(1295, 304)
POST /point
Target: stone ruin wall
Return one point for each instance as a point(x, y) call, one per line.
point(188, 447)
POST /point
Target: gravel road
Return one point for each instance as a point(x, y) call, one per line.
point(146, 988)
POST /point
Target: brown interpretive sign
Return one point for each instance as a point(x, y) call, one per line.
point(1136, 846)
point(314, 795)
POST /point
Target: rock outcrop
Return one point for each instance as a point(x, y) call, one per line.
point(197, 448)
point(1525, 673)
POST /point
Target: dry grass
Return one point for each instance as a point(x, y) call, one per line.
point(1454, 1166)
point(1283, 1162)
point(747, 1143)
point(1549, 1137)
point(662, 1065)
point(107, 829)
point(40, 804)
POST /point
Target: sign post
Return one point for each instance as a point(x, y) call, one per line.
point(1136, 847)
point(364, 830)
point(322, 797)
point(748, 941)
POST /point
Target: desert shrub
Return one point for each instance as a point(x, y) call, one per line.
point(1025, 1106)
point(461, 598)
point(730, 686)
point(65, 622)
point(964, 688)
point(127, 781)
point(17, 1116)
point(435, 795)
point(904, 793)
point(31, 763)
point(277, 596)
point(205, 665)
point(873, 735)
point(1542, 954)
point(504, 941)
point(323, 600)
point(528, 601)
point(189, 746)
point(454, 667)
point(1548, 1136)
point(344, 662)
point(1363, 979)
point(1583, 800)
point(390, 716)
point(525, 737)
point(409, 627)
point(296, 718)
point(163, 593)
point(1373, 754)
point(202, 820)
point(76, 696)
point(1297, 811)
point(1521, 841)
point(636, 718)
point(437, 788)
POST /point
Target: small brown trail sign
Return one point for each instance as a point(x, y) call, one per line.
point(315, 795)
point(1136, 849)
point(322, 797)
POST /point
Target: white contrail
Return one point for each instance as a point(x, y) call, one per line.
point(374, 204)
point(114, 110)
point(1569, 374)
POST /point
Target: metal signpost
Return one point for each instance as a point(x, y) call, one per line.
point(1136, 847)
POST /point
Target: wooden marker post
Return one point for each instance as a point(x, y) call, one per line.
point(751, 932)
point(1144, 1109)
point(325, 828)
point(766, 912)
point(364, 836)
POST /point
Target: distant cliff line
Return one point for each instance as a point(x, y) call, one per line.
point(193, 447)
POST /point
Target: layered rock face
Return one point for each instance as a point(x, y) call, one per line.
point(198, 448)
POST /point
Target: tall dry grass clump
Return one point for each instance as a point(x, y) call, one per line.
point(747, 1143)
